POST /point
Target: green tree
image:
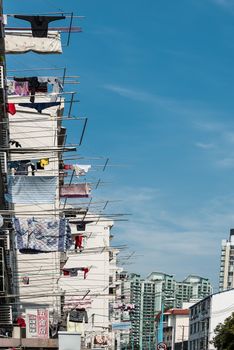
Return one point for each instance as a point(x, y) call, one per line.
point(224, 334)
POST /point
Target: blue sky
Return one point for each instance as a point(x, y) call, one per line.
point(157, 85)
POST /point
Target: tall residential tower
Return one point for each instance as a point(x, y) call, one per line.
point(226, 276)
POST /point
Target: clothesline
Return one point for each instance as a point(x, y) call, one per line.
point(66, 14)
point(38, 149)
point(72, 29)
point(49, 119)
point(59, 94)
point(78, 211)
point(36, 69)
point(45, 295)
point(59, 76)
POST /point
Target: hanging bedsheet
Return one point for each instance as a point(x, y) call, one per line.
point(35, 235)
point(22, 42)
point(31, 189)
point(75, 190)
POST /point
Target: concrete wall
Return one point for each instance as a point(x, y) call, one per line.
point(222, 306)
point(32, 129)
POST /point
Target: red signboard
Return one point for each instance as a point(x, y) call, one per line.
point(37, 323)
point(42, 323)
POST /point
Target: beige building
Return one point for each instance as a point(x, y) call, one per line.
point(226, 276)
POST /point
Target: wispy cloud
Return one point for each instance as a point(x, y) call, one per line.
point(133, 94)
point(170, 241)
point(219, 142)
point(204, 145)
point(226, 163)
point(186, 108)
point(226, 3)
point(199, 118)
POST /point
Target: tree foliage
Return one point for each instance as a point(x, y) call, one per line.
point(224, 334)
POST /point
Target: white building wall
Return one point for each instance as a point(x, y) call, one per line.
point(96, 285)
point(32, 129)
point(222, 306)
point(181, 326)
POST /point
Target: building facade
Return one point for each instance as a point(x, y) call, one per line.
point(205, 316)
point(174, 293)
point(226, 275)
point(157, 292)
point(176, 329)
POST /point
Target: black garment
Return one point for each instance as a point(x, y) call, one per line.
point(21, 166)
point(78, 315)
point(34, 86)
point(40, 105)
point(14, 142)
point(39, 24)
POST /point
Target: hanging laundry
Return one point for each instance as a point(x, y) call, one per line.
point(25, 280)
point(10, 107)
point(21, 88)
point(40, 105)
point(75, 326)
point(42, 235)
point(31, 189)
point(17, 88)
point(81, 169)
point(21, 42)
point(39, 24)
point(73, 271)
point(86, 270)
point(33, 85)
point(21, 322)
point(42, 163)
point(100, 340)
point(77, 302)
point(15, 143)
point(57, 86)
point(68, 167)
point(75, 190)
point(20, 167)
point(78, 242)
point(78, 315)
point(66, 273)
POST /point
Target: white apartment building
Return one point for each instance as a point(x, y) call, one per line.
point(226, 275)
point(98, 288)
point(176, 328)
point(35, 275)
point(205, 316)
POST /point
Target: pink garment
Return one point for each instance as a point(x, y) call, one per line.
point(21, 88)
point(75, 191)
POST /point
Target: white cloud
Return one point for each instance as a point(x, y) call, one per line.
point(227, 163)
point(169, 241)
point(204, 145)
point(131, 93)
point(224, 2)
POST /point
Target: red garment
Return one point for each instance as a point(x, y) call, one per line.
point(11, 108)
point(66, 273)
point(86, 270)
point(78, 241)
point(67, 167)
point(21, 322)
